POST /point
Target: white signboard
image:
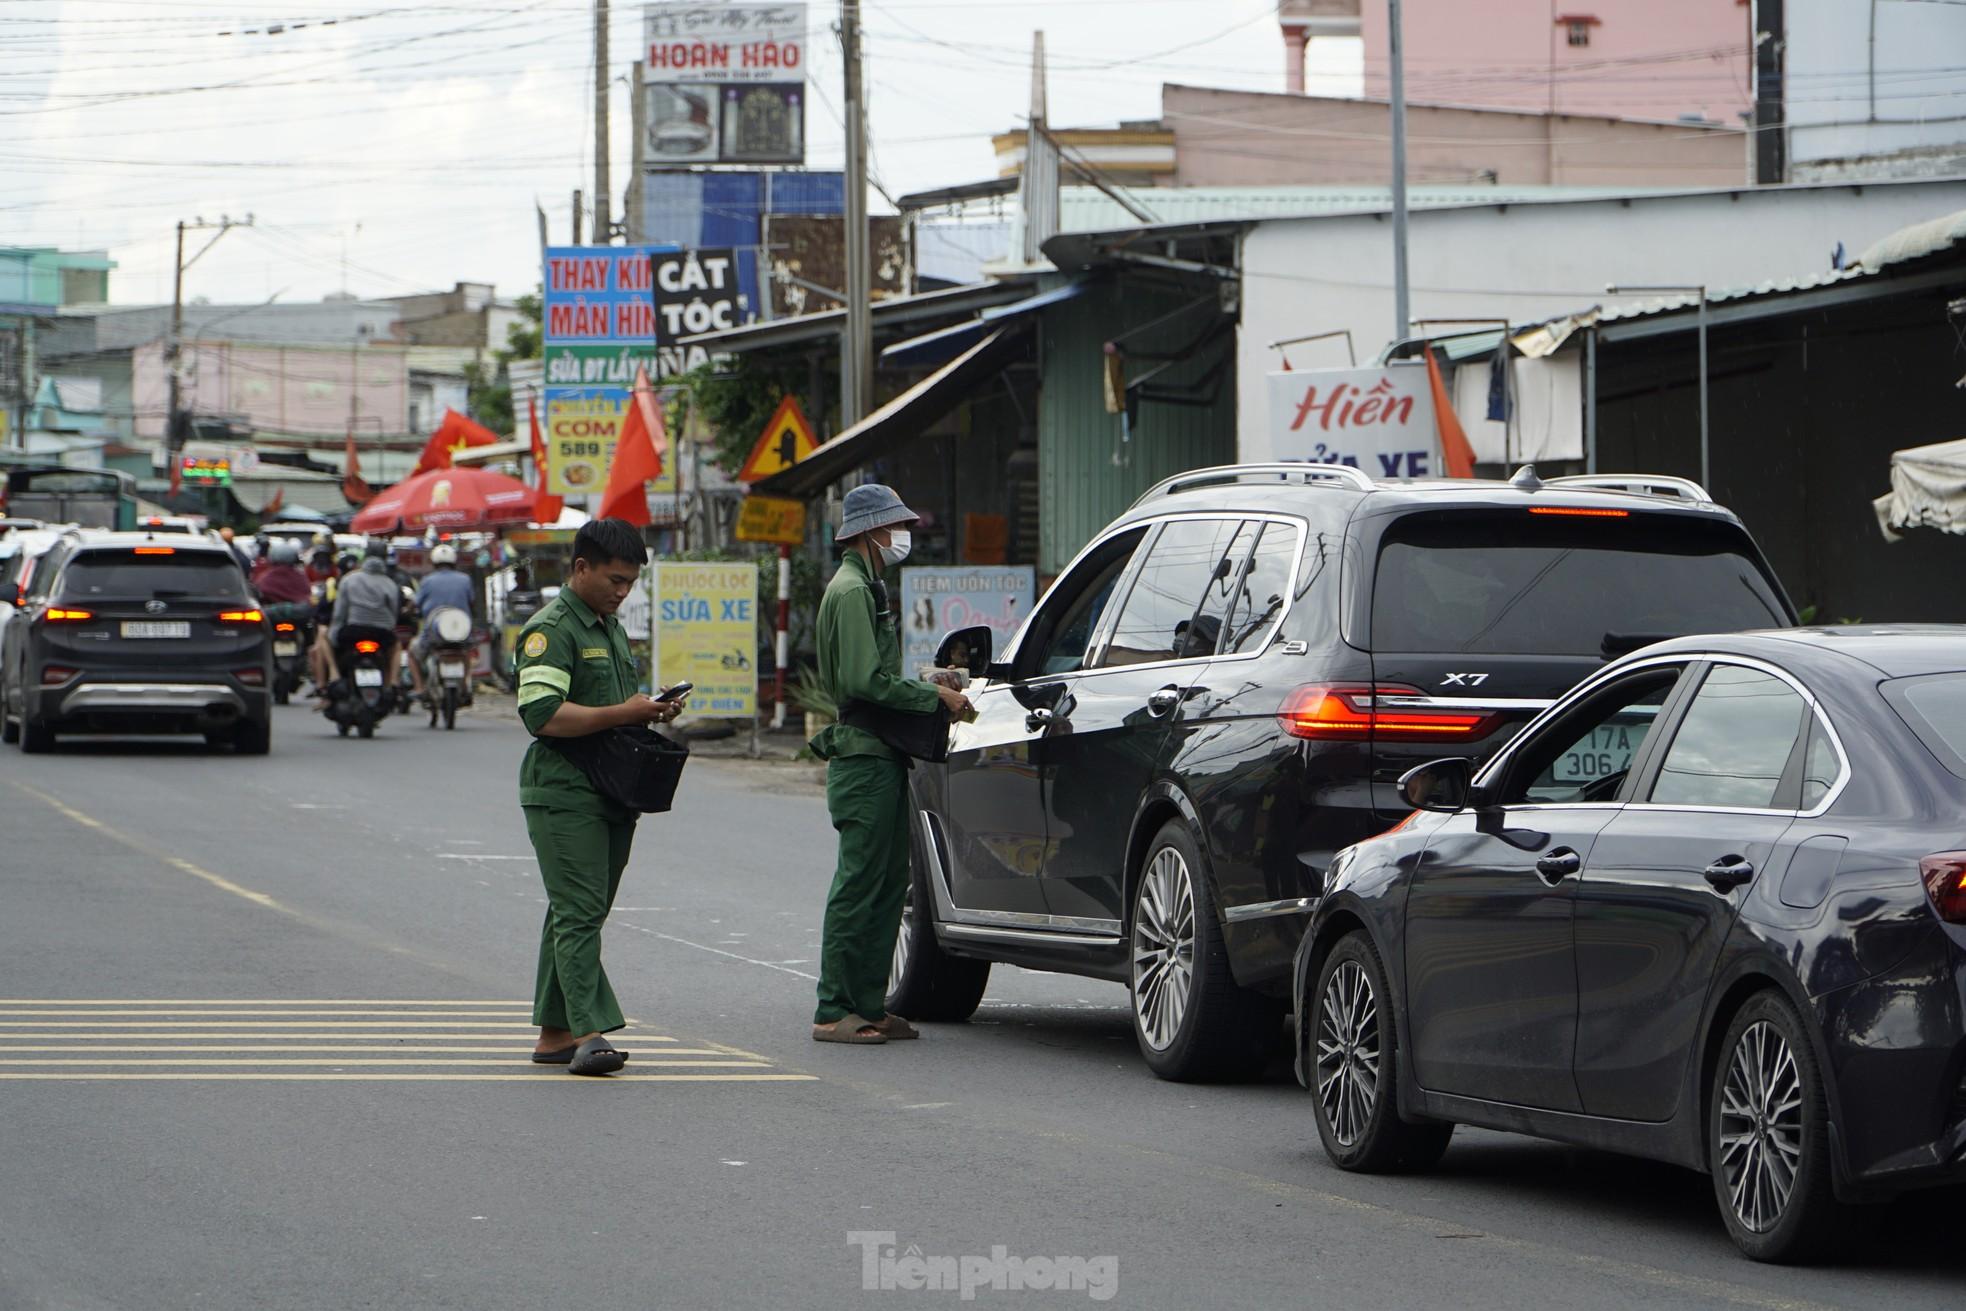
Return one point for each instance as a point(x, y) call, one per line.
point(702, 44)
point(938, 599)
point(1380, 420)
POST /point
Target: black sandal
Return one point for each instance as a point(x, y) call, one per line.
point(561, 1056)
point(596, 1056)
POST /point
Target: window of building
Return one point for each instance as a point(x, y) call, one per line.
point(1577, 27)
point(1580, 33)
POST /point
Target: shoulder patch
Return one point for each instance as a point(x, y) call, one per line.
point(535, 645)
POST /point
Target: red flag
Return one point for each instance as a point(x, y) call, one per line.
point(1454, 446)
point(454, 433)
point(273, 506)
point(637, 456)
point(547, 508)
point(352, 487)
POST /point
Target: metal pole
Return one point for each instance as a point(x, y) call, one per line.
point(173, 353)
point(781, 640)
point(1590, 401)
point(602, 186)
point(1396, 43)
point(1706, 467)
point(856, 347)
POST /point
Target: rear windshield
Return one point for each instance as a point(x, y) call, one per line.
point(1517, 583)
point(1935, 708)
point(127, 576)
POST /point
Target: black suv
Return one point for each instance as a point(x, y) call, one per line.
point(137, 633)
point(1222, 691)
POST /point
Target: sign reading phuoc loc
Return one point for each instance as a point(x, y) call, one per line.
point(705, 631)
point(609, 310)
point(725, 83)
point(1378, 420)
point(937, 599)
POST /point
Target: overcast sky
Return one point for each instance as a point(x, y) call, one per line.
point(412, 140)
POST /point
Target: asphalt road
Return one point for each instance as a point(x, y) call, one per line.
point(262, 1040)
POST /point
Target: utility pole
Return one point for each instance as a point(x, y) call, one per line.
point(576, 216)
point(602, 187)
point(1396, 45)
point(176, 421)
point(857, 347)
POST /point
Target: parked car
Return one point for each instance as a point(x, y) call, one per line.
point(1709, 909)
point(137, 632)
point(1223, 690)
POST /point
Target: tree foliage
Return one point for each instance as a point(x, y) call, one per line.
point(488, 388)
point(734, 405)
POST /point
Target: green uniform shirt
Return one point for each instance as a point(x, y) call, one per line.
point(860, 660)
point(566, 652)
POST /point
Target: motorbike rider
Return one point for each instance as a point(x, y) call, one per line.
point(279, 578)
point(365, 605)
point(446, 588)
point(320, 659)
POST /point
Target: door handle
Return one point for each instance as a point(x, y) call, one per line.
point(1164, 701)
point(1729, 872)
point(1559, 865)
point(1038, 720)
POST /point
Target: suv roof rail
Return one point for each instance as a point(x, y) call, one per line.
point(1283, 471)
point(1644, 484)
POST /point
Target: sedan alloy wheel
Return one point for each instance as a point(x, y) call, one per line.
point(1761, 1127)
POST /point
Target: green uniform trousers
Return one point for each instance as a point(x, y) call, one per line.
point(581, 856)
point(868, 799)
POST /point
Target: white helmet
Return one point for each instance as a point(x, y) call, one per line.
point(284, 551)
point(443, 553)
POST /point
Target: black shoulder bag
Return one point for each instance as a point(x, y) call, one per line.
point(917, 734)
point(632, 766)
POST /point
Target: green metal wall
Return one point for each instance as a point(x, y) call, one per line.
point(1086, 474)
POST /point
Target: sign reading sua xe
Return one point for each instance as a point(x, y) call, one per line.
point(705, 631)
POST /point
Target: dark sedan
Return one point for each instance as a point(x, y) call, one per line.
point(1710, 908)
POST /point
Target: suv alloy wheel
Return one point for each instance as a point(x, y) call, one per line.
point(925, 982)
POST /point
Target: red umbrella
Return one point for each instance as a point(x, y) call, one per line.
point(455, 499)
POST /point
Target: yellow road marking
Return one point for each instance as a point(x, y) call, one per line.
point(510, 1051)
point(406, 1060)
point(262, 1024)
point(546, 1072)
point(86, 1036)
point(249, 1001)
point(473, 1016)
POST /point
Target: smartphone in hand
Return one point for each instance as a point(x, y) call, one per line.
point(675, 693)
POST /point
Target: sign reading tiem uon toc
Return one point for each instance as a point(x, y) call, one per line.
point(1378, 420)
point(705, 631)
point(938, 599)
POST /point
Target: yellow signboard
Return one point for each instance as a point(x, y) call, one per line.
point(581, 430)
point(772, 519)
point(786, 440)
point(706, 632)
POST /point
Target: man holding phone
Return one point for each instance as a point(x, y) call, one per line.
point(576, 678)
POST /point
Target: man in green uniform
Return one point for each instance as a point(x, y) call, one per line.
point(866, 780)
point(576, 677)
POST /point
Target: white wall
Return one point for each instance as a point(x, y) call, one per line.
point(1837, 86)
point(1534, 261)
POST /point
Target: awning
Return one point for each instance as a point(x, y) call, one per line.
point(894, 312)
point(1928, 490)
point(907, 415)
point(947, 343)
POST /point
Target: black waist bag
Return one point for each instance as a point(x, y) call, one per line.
point(921, 735)
point(632, 766)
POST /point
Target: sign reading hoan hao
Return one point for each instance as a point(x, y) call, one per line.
point(705, 631)
point(718, 43)
point(724, 84)
point(1378, 420)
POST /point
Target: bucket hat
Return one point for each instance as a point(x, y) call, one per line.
point(871, 506)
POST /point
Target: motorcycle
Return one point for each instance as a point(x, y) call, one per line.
point(361, 698)
point(293, 635)
point(447, 665)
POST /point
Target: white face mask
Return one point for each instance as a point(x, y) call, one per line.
point(897, 546)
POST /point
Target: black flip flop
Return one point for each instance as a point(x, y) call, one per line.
point(563, 1056)
point(596, 1056)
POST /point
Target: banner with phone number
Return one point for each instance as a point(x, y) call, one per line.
point(582, 427)
point(705, 631)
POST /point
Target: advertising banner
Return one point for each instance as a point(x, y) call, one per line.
point(582, 426)
point(705, 631)
point(725, 83)
point(936, 599)
point(717, 43)
point(1379, 420)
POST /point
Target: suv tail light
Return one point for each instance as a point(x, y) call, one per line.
point(241, 617)
point(59, 616)
point(1945, 883)
point(52, 674)
point(1360, 714)
point(251, 677)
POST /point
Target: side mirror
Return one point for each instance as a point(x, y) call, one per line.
point(968, 649)
point(1442, 786)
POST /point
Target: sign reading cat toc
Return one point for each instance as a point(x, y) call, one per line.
point(704, 630)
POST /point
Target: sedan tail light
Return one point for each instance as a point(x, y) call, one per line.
point(1945, 883)
point(1360, 714)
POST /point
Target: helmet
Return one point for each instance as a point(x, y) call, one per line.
point(377, 549)
point(284, 551)
point(345, 562)
point(443, 553)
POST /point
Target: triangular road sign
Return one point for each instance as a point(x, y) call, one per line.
point(786, 440)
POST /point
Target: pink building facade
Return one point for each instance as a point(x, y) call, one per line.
point(1660, 60)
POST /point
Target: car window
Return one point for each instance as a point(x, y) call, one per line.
point(1159, 620)
point(1065, 621)
point(1586, 755)
point(1204, 629)
point(1820, 767)
point(1260, 600)
point(1734, 744)
point(141, 575)
point(1934, 706)
point(1516, 582)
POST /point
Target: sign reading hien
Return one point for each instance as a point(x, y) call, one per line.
point(705, 43)
point(1378, 420)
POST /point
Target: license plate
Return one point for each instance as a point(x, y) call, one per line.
point(284, 649)
point(368, 678)
point(1607, 750)
point(451, 669)
point(156, 628)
